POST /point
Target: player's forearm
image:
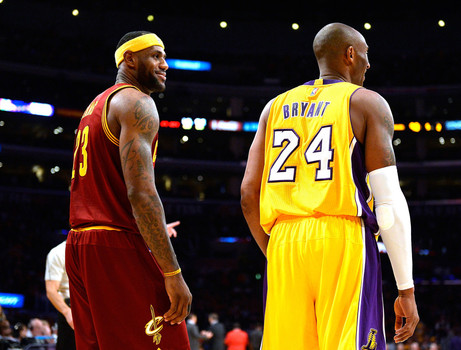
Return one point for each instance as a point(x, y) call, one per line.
point(150, 218)
point(57, 300)
point(136, 160)
point(250, 209)
point(397, 240)
point(394, 222)
point(261, 238)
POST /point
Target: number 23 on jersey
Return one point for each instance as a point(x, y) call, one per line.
point(318, 153)
point(81, 143)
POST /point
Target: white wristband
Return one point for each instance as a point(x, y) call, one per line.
point(394, 222)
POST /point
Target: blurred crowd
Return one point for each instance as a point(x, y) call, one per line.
point(19, 335)
point(212, 333)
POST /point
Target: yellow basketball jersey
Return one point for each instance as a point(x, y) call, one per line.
point(313, 164)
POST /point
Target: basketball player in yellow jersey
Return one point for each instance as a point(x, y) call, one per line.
point(318, 149)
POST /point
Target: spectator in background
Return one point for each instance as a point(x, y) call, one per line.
point(35, 328)
point(2, 315)
point(455, 342)
point(256, 335)
point(40, 330)
point(236, 339)
point(20, 331)
point(20, 334)
point(7, 340)
point(194, 334)
point(57, 291)
point(218, 332)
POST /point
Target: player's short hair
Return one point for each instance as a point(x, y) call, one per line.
point(129, 36)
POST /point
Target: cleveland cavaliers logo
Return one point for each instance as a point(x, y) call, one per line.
point(371, 345)
point(153, 327)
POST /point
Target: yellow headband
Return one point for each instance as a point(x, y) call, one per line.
point(137, 44)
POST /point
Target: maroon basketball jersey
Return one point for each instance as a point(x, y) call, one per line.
point(98, 194)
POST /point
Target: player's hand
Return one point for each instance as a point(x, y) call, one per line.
point(180, 298)
point(405, 308)
point(170, 229)
point(69, 319)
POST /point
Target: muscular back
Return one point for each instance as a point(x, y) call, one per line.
point(313, 164)
point(98, 190)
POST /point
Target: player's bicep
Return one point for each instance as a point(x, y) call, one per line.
point(379, 151)
point(139, 124)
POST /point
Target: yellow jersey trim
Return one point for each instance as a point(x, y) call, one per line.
point(154, 156)
point(105, 125)
point(89, 228)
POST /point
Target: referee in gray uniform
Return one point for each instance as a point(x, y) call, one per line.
point(57, 291)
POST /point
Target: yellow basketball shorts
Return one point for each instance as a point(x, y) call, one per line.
point(324, 287)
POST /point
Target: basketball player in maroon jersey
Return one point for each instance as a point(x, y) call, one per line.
point(126, 285)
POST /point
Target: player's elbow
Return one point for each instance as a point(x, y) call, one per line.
point(139, 196)
point(133, 194)
point(249, 197)
point(50, 293)
point(137, 189)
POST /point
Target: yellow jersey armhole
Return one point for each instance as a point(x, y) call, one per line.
point(154, 155)
point(105, 125)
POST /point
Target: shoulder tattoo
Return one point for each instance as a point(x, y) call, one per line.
point(144, 115)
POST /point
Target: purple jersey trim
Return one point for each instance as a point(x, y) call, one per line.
point(359, 174)
point(325, 81)
point(371, 316)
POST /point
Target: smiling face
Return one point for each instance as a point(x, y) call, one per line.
point(152, 68)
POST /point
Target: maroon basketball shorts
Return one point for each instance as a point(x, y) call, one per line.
point(118, 294)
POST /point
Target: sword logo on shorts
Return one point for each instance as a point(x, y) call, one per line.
point(153, 327)
point(371, 345)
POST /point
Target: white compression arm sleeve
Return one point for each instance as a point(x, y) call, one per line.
point(394, 223)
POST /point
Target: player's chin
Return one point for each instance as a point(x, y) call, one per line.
point(159, 86)
point(162, 87)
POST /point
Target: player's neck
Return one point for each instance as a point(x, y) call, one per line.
point(123, 78)
point(333, 76)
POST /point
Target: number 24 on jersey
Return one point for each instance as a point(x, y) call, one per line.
point(318, 152)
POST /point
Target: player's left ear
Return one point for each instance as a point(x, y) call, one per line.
point(350, 54)
point(129, 59)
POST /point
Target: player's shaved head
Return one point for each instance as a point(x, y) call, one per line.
point(333, 40)
point(342, 53)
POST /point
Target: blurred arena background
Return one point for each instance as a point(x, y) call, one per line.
point(60, 54)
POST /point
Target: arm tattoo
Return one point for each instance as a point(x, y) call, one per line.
point(388, 151)
point(389, 125)
point(148, 217)
point(143, 116)
point(126, 153)
point(136, 159)
point(389, 156)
